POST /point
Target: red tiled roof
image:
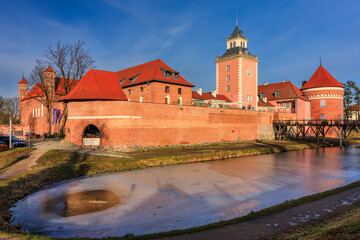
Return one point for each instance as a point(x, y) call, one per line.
point(23, 81)
point(97, 85)
point(264, 104)
point(37, 90)
point(287, 91)
point(49, 69)
point(321, 78)
point(209, 96)
point(150, 71)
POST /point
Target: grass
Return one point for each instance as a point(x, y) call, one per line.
point(342, 224)
point(9, 157)
point(58, 165)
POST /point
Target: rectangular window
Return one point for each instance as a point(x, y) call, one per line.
point(141, 89)
point(179, 90)
point(322, 117)
point(227, 88)
point(277, 93)
point(287, 104)
point(167, 89)
point(322, 103)
point(249, 98)
point(129, 91)
point(228, 78)
point(227, 68)
point(281, 105)
point(341, 103)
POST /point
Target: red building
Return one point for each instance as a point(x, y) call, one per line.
point(155, 82)
point(237, 72)
point(33, 112)
point(326, 95)
point(284, 97)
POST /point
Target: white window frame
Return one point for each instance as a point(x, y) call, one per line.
point(227, 68)
point(228, 78)
point(228, 88)
point(249, 98)
point(322, 117)
point(322, 103)
point(287, 105)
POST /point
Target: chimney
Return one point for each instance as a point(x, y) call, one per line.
point(283, 80)
point(199, 91)
point(266, 83)
point(303, 83)
point(214, 92)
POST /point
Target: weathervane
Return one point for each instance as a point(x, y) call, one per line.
point(236, 18)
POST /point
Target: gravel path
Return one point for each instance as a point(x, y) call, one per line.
point(23, 165)
point(277, 222)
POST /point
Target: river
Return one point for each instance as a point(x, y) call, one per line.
point(182, 196)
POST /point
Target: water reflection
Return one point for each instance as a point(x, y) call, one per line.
point(80, 203)
point(176, 197)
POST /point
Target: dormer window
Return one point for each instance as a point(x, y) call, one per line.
point(277, 93)
point(122, 81)
point(167, 74)
point(176, 75)
point(262, 95)
point(134, 78)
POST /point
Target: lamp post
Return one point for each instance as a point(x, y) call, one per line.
point(10, 135)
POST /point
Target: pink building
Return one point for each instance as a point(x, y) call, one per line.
point(284, 97)
point(237, 72)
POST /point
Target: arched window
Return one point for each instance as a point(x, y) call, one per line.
point(234, 43)
point(231, 45)
point(167, 99)
point(141, 99)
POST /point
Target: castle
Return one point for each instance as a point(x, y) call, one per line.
point(152, 104)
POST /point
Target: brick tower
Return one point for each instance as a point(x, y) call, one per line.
point(237, 72)
point(49, 80)
point(326, 95)
point(23, 88)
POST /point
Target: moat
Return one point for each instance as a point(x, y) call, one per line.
point(182, 196)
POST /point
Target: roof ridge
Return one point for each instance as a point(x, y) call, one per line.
point(97, 83)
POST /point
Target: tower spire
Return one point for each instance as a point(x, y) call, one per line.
point(236, 18)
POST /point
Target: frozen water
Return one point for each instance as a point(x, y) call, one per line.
point(183, 196)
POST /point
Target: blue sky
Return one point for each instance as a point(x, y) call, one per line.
point(288, 36)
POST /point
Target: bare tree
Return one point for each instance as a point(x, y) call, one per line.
point(9, 109)
point(42, 92)
point(71, 63)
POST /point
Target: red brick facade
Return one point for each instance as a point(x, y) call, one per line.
point(157, 92)
point(130, 125)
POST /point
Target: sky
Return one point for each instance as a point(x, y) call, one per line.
point(288, 36)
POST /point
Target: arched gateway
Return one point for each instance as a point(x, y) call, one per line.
point(91, 136)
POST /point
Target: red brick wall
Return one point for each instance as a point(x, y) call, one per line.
point(333, 103)
point(159, 124)
point(34, 117)
point(158, 93)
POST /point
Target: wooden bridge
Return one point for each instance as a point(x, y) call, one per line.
point(284, 129)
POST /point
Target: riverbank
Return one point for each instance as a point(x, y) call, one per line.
point(57, 165)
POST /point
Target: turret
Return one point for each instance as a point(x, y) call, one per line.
point(23, 88)
point(49, 80)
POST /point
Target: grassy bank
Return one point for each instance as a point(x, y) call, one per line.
point(58, 165)
point(9, 157)
point(342, 224)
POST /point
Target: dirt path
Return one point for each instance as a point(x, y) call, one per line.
point(277, 222)
point(23, 165)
